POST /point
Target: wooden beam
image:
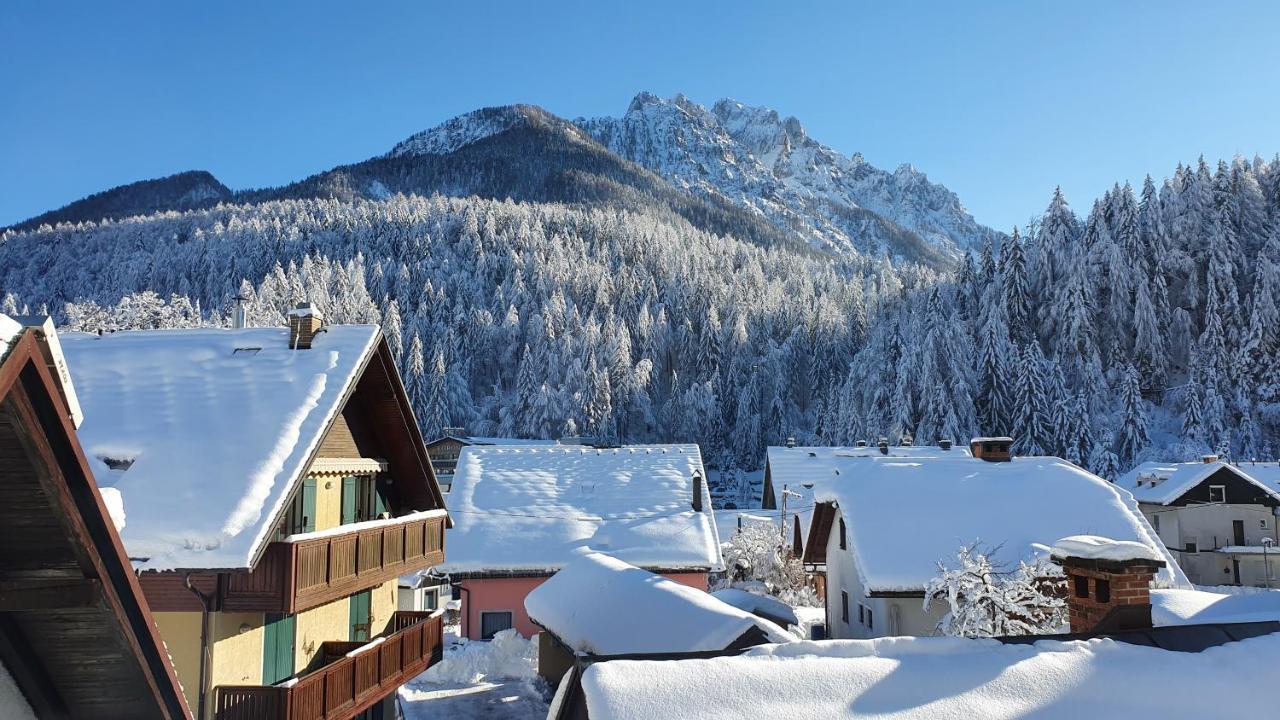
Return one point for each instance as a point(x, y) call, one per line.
point(33, 594)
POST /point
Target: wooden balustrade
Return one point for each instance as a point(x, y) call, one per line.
point(348, 683)
point(295, 576)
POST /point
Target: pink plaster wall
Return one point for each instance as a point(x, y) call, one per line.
point(507, 594)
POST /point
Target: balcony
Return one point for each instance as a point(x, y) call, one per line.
point(352, 677)
point(309, 570)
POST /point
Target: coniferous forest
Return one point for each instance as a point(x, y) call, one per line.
point(1145, 328)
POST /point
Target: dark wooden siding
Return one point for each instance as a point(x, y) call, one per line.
point(1239, 491)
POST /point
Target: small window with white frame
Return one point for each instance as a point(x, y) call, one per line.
point(1217, 493)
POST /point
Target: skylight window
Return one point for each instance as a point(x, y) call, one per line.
point(246, 351)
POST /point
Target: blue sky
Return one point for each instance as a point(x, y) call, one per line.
point(1000, 101)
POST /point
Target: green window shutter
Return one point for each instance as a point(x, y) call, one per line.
point(380, 499)
point(277, 648)
point(349, 500)
point(309, 505)
point(360, 616)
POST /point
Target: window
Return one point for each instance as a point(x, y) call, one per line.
point(1155, 522)
point(1102, 590)
point(843, 544)
point(277, 648)
point(862, 618)
point(301, 516)
point(870, 623)
point(492, 623)
point(363, 498)
point(1191, 547)
point(1081, 585)
point(430, 599)
point(1217, 493)
point(844, 606)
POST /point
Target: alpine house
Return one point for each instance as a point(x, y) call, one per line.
point(883, 523)
point(523, 512)
point(275, 486)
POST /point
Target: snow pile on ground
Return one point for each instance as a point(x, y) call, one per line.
point(1093, 547)
point(203, 431)
point(603, 606)
point(506, 656)
point(909, 678)
point(903, 513)
point(1195, 607)
point(757, 604)
point(114, 501)
point(534, 508)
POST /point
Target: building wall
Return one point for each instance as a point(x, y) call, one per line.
point(331, 621)
point(1209, 526)
point(507, 594)
point(180, 632)
point(237, 656)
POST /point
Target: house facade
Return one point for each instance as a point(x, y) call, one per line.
point(1219, 520)
point(523, 512)
point(884, 522)
point(271, 558)
point(77, 638)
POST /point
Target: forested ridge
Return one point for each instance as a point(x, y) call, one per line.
point(1145, 329)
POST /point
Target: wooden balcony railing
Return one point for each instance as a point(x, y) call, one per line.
point(295, 576)
point(348, 682)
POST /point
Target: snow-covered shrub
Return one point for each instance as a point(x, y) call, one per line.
point(507, 656)
point(986, 599)
point(756, 554)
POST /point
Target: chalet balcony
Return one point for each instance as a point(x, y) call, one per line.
point(309, 570)
point(351, 678)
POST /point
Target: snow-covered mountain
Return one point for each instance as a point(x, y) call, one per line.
point(759, 160)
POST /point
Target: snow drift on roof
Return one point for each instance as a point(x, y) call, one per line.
point(932, 678)
point(904, 515)
point(1197, 607)
point(1092, 547)
point(204, 442)
point(528, 508)
point(758, 604)
point(602, 606)
point(1164, 483)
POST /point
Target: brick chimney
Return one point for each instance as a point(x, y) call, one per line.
point(304, 323)
point(1108, 583)
point(992, 449)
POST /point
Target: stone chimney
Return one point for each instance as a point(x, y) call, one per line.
point(1108, 583)
point(1209, 459)
point(884, 446)
point(305, 323)
point(791, 442)
point(944, 444)
point(992, 449)
point(861, 443)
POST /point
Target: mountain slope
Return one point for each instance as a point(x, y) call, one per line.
point(758, 160)
point(189, 190)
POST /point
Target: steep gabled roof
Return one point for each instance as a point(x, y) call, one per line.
point(77, 639)
point(904, 515)
point(205, 431)
point(1164, 483)
point(520, 509)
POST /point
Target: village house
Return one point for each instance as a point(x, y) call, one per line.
point(77, 639)
point(444, 451)
point(578, 610)
point(1114, 664)
point(883, 522)
point(276, 487)
point(1217, 518)
point(524, 512)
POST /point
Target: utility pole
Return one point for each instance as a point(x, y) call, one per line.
point(1266, 561)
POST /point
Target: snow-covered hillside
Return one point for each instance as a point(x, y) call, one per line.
point(759, 160)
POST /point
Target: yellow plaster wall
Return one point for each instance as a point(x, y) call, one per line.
point(331, 621)
point(181, 634)
point(237, 657)
point(328, 501)
point(383, 602)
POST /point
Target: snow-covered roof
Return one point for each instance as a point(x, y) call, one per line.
point(10, 329)
point(1267, 473)
point(1177, 606)
point(904, 515)
point(204, 431)
point(527, 509)
point(1164, 483)
point(758, 604)
point(584, 603)
point(1093, 547)
point(485, 440)
point(795, 467)
point(927, 678)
